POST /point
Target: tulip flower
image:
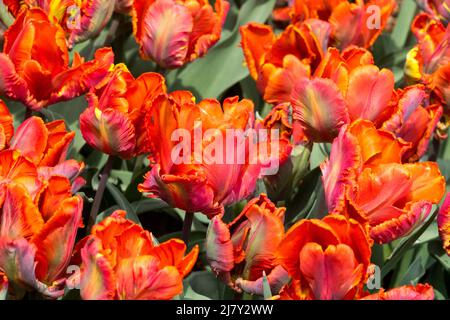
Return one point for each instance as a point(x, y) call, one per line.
point(327, 259)
point(353, 22)
point(173, 33)
point(6, 126)
point(35, 65)
point(120, 262)
point(409, 292)
point(365, 179)
point(443, 221)
point(276, 61)
point(36, 241)
point(241, 251)
point(204, 156)
point(428, 62)
point(439, 9)
point(114, 120)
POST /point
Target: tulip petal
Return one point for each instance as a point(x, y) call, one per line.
point(443, 221)
point(166, 29)
point(369, 91)
point(55, 241)
point(320, 108)
point(109, 131)
point(97, 277)
point(418, 292)
point(171, 253)
point(219, 248)
point(31, 148)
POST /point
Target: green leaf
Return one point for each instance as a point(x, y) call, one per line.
point(267, 293)
point(122, 202)
point(201, 285)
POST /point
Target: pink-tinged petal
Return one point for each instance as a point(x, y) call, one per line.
point(331, 274)
point(18, 264)
point(443, 221)
point(143, 279)
point(109, 131)
point(94, 16)
point(418, 292)
point(219, 248)
point(369, 93)
point(20, 217)
point(319, 107)
point(11, 84)
point(166, 29)
point(97, 280)
point(34, 148)
point(69, 169)
point(340, 170)
point(185, 191)
point(277, 278)
point(55, 241)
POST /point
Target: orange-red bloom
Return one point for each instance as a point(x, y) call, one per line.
point(241, 251)
point(439, 9)
point(119, 261)
point(114, 121)
point(428, 62)
point(353, 22)
point(418, 292)
point(34, 64)
point(443, 221)
point(365, 179)
point(276, 61)
point(197, 168)
point(328, 259)
point(174, 32)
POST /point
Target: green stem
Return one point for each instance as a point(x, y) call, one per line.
point(99, 194)
point(187, 225)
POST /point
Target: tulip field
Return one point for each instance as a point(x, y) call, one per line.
point(224, 150)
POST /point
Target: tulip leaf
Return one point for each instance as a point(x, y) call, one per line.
point(122, 202)
point(266, 287)
point(202, 285)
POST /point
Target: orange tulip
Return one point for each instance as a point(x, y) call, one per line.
point(428, 62)
point(206, 170)
point(365, 179)
point(37, 237)
point(114, 121)
point(6, 126)
point(276, 61)
point(359, 23)
point(312, 250)
point(175, 32)
point(34, 66)
point(120, 262)
point(241, 251)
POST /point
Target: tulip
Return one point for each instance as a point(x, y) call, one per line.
point(120, 262)
point(173, 33)
point(36, 242)
point(428, 62)
point(409, 292)
point(6, 126)
point(439, 9)
point(35, 65)
point(114, 121)
point(276, 61)
point(242, 251)
point(206, 170)
point(359, 23)
point(312, 250)
point(443, 221)
point(365, 179)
